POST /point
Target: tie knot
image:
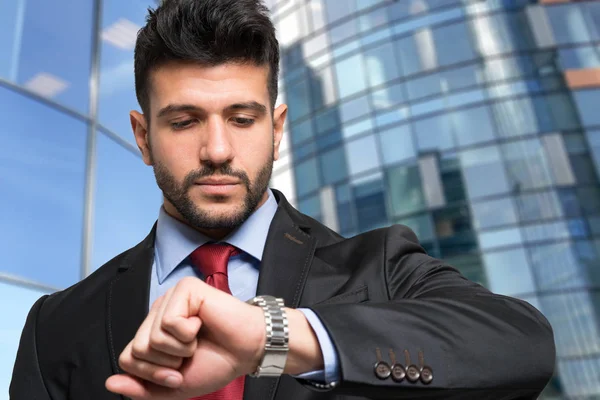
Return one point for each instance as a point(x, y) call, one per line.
point(212, 258)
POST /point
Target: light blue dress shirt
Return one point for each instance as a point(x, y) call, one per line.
point(175, 241)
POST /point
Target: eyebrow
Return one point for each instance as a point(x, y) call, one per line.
point(250, 105)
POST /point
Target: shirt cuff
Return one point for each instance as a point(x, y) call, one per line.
point(331, 373)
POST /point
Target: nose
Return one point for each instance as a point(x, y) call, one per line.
point(216, 146)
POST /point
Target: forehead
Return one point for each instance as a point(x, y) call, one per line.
point(209, 87)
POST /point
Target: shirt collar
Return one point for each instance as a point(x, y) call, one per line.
point(175, 241)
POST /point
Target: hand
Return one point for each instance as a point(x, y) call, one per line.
point(195, 340)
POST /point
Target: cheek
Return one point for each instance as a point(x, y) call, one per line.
point(179, 158)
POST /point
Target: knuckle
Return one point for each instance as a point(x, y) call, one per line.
point(158, 341)
point(139, 350)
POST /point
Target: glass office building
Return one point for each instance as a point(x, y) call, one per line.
point(474, 122)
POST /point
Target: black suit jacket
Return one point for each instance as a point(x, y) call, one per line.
point(378, 290)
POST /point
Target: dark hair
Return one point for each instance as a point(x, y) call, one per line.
point(208, 32)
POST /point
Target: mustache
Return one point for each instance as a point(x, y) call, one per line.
point(209, 170)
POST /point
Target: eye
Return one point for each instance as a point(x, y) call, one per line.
point(243, 121)
point(182, 124)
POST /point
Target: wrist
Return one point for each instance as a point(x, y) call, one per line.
point(305, 351)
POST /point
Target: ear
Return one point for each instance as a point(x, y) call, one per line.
point(140, 131)
point(279, 115)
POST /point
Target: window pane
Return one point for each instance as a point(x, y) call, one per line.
point(397, 144)
point(307, 177)
point(493, 213)
point(369, 198)
point(381, 64)
point(42, 163)
point(333, 166)
point(15, 303)
point(538, 206)
point(46, 47)
point(453, 44)
point(568, 24)
point(311, 206)
point(301, 132)
point(508, 272)
point(434, 133)
point(388, 96)
point(515, 117)
point(121, 221)
point(526, 165)
point(120, 23)
point(483, 172)
point(336, 9)
point(405, 192)
point(500, 238)
point(298, 99)
point(362, 155)
point(421, 225)
point(587, 102)
point(355, 108)
point(472, 125)
point(453, 229)
point(350, 75)
point(408, 56)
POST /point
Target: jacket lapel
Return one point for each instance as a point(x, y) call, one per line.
point(128, 296)
point(285, 264)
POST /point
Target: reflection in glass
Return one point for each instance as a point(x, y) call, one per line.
point(127, 201)
point(362, 155)
point(381, 64)
point(421, 225)
point(508, 272)
point(526, 165)
point(434, 133)
point(120, 23)
point(307, 177)
point(587, 101)
point(453, 44)
point(404, 189)
point(472, 125)
point(494, 213)
point(480, 167)
point(42, 170)
point(369, 199)
point(396, 144)
point(333, 165)
point(351, 75)
point(311, 206)
point(46, 47)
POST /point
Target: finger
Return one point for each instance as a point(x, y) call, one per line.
point(148, 371)
point(136, 388)
point(178, 316)
point(140, 345)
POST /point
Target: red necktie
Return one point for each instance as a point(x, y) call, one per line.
point(212, 260)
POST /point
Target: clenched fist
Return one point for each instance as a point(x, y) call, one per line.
point(196, 339)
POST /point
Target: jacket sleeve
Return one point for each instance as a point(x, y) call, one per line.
point(478, 345)
point(27, 381)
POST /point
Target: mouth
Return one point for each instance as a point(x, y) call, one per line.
point(217, 186)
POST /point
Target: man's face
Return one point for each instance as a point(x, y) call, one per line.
point(212, 141)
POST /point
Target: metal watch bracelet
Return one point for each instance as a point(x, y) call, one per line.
point(276, 346)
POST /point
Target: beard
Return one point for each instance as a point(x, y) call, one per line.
point(178, 194)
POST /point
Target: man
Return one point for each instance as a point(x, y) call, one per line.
point(367, 317)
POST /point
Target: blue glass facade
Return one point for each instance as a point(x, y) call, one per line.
point(459, 119)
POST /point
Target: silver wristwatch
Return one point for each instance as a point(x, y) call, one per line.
point(276, 347)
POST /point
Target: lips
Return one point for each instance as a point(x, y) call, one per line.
point(217, 182)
